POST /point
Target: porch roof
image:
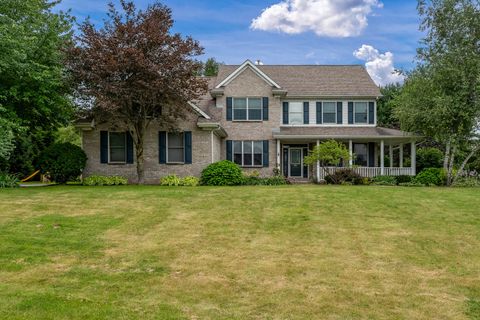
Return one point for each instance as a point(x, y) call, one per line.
point(342, 132)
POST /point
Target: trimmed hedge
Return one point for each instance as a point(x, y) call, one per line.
point(104, 181)
point(222, 173)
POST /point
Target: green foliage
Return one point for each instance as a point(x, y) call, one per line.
point(68, 134)
point(329, 153)
point(431, 177)
point(384, 181)
point(222, 173)
point(7, 144)
point(411, 184)
point(403, 179)
point(96, 180)
point(343, 176)
point(269, 181)
point(170, 180)
point(470, 182)
point(8, 180)
point(429, 157)
point(189, 181)
point(63, 162)
point(210, 68)
point(386, 106)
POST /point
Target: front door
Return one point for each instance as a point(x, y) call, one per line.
point(296, 162)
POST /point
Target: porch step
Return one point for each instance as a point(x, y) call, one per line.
point(299, 180)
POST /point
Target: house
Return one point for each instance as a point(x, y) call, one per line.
point(263, 117)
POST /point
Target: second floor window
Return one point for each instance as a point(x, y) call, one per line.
point(329, 112)
point(247, 109)
point(295, 113)
point(361, 112)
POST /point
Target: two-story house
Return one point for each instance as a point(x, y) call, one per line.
point(263, 117)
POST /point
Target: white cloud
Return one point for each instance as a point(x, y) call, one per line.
point(330, 18)
point(379, 65)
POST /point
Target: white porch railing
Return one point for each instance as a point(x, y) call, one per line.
point(370, 172)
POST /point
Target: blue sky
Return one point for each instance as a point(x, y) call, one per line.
point(224, 28)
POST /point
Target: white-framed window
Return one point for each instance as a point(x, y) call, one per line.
point(248, 153)
point(295, 113)
point(329, 112)
point(360, 112)
point(175, 148)
point(117, 147)
point(247, 109)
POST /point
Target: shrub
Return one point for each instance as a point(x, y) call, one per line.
point(104, 181)
point(222, 173)
point(411, 184)
point(270, 181)
point(344, 175)
point(190, 181)
point(430, 177)
point(9, 181)
point(467, 182)
point(429, 158)
point(384, 181)
point(63, 161)
point(170, 180)
point(403, 179)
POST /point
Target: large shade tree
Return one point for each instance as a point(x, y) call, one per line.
point(135, 71)
point(440, 97)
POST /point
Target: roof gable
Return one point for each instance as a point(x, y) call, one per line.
point(247, 64)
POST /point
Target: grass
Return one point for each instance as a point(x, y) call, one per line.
point(290, 252)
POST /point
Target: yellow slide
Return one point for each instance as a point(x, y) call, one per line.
point(30, 176)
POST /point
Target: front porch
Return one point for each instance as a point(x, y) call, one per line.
point(369, 158)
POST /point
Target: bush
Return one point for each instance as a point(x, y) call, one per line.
point(9, 181)
point(222, 173)
point(271, 181)
point(430, 177)
point(411, 184)
point(174, 181)
point(403, 179)
point(344, 175)
point(190, 181)
point(384, 181)
point(104, 181)
point(467, 182)
point(429, 158)
point(63, 162)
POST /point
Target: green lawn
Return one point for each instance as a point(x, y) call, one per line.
point(290, 252)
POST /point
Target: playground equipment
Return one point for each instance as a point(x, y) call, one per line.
point(30, 176)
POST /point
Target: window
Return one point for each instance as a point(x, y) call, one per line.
point(361, 154)
point(329, 112)
point(361, 112)
point(175, 148)
point(295, 113)
point(248, 153)
point(247, 109)
point(117, 142)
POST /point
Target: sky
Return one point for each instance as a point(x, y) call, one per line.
point(381, 34)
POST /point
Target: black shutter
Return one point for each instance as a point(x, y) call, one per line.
point(305, 167)
point(229, 108)
point(103, 146)
point(350, 113)
point(371, 112)
point(285, 112)
point(265, 108)
point(162, 147)
point(229, 150)
point(187, 137)
point(129, 147)
point(319, 112)
point(371, 154)
point(339, 112)
point(266, 159)
point(306, 114)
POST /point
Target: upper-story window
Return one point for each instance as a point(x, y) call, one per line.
point(247, 109)
point(329, 112)
point(295, 113)
point(361, 112)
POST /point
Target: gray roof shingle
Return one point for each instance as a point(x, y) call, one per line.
point(343, 131)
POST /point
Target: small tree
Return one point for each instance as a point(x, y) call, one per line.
point(211, 67)
point(136, 72)
point(328, 153)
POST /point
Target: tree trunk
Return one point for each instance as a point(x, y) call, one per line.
point(447, 156)
point(450, 166)
point(140, 163)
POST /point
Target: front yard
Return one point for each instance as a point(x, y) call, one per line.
point(290, 252)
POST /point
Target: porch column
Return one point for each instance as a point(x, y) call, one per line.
point(278, 154)
point(390, 154)
point(401, 155)
point(382, 157)
point(413, 156)
point(318, 165)
point(350, 151)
